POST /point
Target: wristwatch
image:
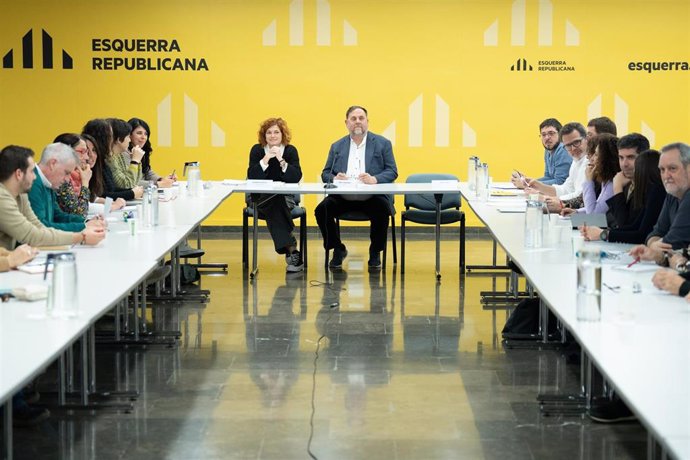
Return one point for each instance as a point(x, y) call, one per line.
point(604, 235)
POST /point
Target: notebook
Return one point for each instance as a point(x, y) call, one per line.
point(591, 220)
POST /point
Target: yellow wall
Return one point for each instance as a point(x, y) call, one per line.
point(405, 51)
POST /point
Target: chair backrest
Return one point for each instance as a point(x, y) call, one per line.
point(426, 201)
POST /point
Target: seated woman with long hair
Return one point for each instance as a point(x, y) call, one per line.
point(96, 184)
point(104, 184)
point(124, 164)
point(141, 137)
point(648, 195)
point(602, 152)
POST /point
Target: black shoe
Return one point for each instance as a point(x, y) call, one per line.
point(26, 415)
point(374, 260)
point(614, 411)
point(339, 255)
point(31, 396)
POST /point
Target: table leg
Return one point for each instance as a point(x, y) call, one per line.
point(7, 418)
point(439, 198)
point(255, 236)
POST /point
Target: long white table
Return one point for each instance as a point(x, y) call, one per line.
point(642, 343)
point(280, 188)
point(30, 340)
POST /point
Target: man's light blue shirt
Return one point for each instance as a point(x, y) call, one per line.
point(556, 166)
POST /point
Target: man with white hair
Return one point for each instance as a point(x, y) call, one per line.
point(672, 230)
point(19, 223)
point(57, 163)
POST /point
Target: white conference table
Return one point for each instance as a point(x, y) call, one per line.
point(437, 188)
point(642, 343)
point(30, 340)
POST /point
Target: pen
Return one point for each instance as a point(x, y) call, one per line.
point(633, 262)
point(519, 173)
point(172, 174)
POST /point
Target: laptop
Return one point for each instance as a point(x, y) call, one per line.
point(591, 220)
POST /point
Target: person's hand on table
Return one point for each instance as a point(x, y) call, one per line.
point(590, 233)
point(118, 204)
point(553, 204)
point(21, 255)
point(668, 280)
point(165, 182)
point(366, 178)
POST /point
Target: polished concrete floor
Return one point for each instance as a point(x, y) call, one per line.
point(379, 365)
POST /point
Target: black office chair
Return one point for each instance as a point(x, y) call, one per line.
point(361, 217)
point(298, 212)
point(421, 209)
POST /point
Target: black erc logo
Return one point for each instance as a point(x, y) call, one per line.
point(27, 53)
point(521, 65)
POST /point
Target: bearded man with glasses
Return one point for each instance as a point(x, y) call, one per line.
point(574, 139)
point(556, 159)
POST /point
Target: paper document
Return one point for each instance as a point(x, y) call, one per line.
point(638, 267)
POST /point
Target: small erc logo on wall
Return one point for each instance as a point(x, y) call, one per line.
point(522, 65)
point(27, 53)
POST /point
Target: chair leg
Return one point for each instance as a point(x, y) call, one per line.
point(402, 245)
point(385, 255)
point(395, 246)
point(462, 245)
point(303, 238)
point(245, 239)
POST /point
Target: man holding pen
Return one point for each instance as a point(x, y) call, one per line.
point(556, 159)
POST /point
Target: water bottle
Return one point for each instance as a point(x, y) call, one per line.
point(479, 182)
point(484, 185)
point(472, 173)
point(193, 172)
point(534, 223)
point(589, 284)
point(63, 300)
point(150, 205)
point(145, 215)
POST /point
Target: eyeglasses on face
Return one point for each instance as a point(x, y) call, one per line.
point(574, 144)
point(549, 134)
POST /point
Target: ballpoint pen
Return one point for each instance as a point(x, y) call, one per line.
point(637, 259)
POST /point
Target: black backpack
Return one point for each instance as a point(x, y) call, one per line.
point(525, 320)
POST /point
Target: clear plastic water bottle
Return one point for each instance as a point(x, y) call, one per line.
point(534, 223)
point(472, 173)
point(485, 184)
point(151, 197)
point(589, 284)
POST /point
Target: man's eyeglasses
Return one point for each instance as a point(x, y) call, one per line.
point(549, 134)
point(574, 144)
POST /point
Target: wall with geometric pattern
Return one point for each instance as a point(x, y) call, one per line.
point(444, 80)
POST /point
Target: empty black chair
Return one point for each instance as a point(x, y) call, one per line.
point(421, 209)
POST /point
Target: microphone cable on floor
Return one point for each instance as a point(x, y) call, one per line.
point(333, 307)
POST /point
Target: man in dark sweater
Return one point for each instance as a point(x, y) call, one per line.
point(672, 230)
